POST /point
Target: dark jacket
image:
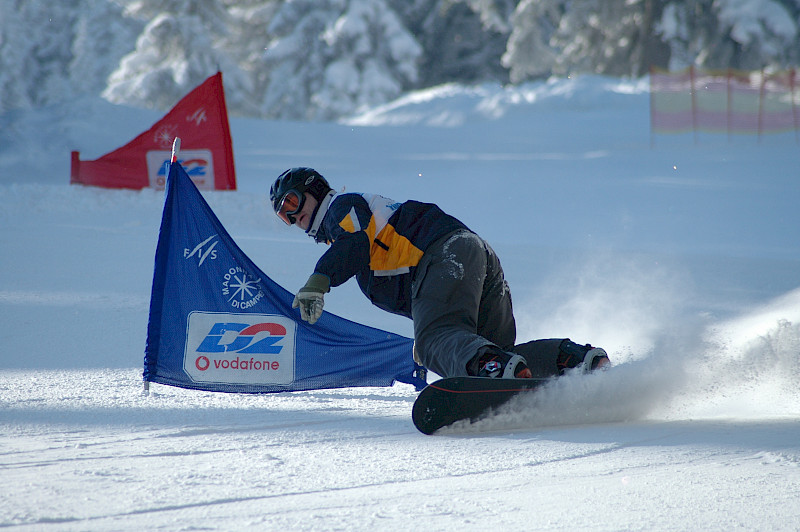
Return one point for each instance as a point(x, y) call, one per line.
point(380, 242)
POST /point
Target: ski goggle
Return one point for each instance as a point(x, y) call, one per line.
point(291, 203)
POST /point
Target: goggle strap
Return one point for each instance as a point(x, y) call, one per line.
point(321, 210)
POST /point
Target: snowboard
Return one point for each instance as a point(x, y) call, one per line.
point(446, 401)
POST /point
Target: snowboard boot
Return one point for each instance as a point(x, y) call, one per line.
point(495, 363)
point(584, 357)
point(596, 358)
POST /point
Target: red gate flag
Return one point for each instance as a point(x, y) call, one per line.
point(200, 119)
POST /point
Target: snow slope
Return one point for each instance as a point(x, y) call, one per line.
point(680, 255)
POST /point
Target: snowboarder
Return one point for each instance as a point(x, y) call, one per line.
point(415, 260)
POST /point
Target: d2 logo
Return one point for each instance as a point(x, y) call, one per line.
point(199, 165)
point(244, 338)
point(240, 348)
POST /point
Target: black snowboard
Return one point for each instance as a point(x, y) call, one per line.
point(449, 400)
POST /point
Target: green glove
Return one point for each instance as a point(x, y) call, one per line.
point(310, 298)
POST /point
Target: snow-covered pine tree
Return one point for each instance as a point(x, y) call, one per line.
point(741, 34)
point(494, 14)
point(34, 72)
point(333, 57)
point(613, 37)
point(245, 43)
point(15, 51)
point(176, 52)
point(320, 59)
point(462, 40)
point(529, 53)
point(102, 37)
point(55, 51)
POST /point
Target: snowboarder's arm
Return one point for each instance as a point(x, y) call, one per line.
point(347, 256)
point(344, 224)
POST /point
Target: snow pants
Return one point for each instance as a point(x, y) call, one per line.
point(460, 303)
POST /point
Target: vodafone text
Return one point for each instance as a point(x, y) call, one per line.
point(203, 363)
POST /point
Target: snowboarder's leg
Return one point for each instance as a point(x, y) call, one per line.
point(448, 305)
point(542, 356)
point(548, 358)
point(496, 314)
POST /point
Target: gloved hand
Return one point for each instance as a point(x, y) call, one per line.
point(310, 298)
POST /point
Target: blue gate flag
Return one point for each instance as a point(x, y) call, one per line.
point(218, 323)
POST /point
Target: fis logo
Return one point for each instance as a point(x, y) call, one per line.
point(198, 117)
point(202, 251)
point(240, 348)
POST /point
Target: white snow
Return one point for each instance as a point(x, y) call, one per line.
point(680, 255)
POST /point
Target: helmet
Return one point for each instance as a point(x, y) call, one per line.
point(287, 193)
